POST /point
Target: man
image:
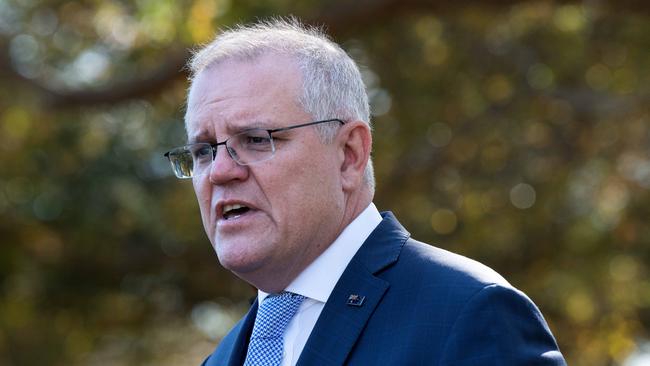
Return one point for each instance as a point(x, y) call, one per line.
point(279, 155)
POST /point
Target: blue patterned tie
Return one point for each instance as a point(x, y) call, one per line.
point(273, 316)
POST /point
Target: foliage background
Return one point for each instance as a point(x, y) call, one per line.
point(514, 132)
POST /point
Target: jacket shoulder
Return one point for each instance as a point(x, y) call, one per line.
point(439, 265)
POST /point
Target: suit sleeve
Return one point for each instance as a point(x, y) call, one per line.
point(500, 326)
point(205, 362)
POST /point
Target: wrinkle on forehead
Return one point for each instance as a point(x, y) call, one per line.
point(228, 125)
point(207, 109)
point(216, 109)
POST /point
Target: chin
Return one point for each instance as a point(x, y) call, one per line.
point(239, 262)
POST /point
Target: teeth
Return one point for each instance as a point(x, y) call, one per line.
point(228, 208)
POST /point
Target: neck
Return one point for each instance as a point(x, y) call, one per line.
point(354, 205)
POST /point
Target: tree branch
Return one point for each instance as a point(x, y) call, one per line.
point(151, 83)
point(148, 84)
point(341, 17)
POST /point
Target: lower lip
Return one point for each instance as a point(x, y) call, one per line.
point(238, 222)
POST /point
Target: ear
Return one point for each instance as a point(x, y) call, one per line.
point(355, 141)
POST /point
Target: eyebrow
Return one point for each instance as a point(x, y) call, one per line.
point(205, 135)
point(200, 137)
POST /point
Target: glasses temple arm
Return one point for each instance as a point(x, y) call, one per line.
point(304, 125)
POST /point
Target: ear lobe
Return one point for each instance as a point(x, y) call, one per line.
point(356, 142)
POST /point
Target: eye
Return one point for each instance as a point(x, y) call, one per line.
point(256, 140)
point(202, 151)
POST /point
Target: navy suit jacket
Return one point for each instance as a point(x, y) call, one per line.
point(421, 306)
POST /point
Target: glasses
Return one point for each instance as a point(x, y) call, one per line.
point(245, 148)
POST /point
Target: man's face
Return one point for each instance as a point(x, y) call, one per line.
point(293, 203)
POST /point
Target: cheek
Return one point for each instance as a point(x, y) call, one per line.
point(280, 187)
point(203, 196)
point(303, 188)
point(299, 180)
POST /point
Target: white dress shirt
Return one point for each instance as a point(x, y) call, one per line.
point(317, 281)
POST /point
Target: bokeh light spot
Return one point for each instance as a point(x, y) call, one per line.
point(499, 88)
point(580, 307)
point(444, 221)
point(540, 77)
point(380, 101)
point(570, 18)
point(623, 268)
point(522, 196)
point(212, 319)
point(598, 77)
point(439, 134)
point(15, 124)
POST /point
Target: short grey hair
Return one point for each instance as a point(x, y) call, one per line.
point(332, 84)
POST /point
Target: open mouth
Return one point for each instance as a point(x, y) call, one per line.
point(234, 211)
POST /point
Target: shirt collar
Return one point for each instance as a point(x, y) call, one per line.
point(317, 281)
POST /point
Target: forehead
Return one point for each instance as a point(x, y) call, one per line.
point(237, 94)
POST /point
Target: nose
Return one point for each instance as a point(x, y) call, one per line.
point(224, 168)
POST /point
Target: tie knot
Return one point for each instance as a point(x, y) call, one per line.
point(275, 313)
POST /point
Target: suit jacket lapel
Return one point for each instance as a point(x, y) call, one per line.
point(341, 323)
point(235, 352)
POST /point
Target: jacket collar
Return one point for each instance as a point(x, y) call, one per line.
point(344, 316)
point(355, 297)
